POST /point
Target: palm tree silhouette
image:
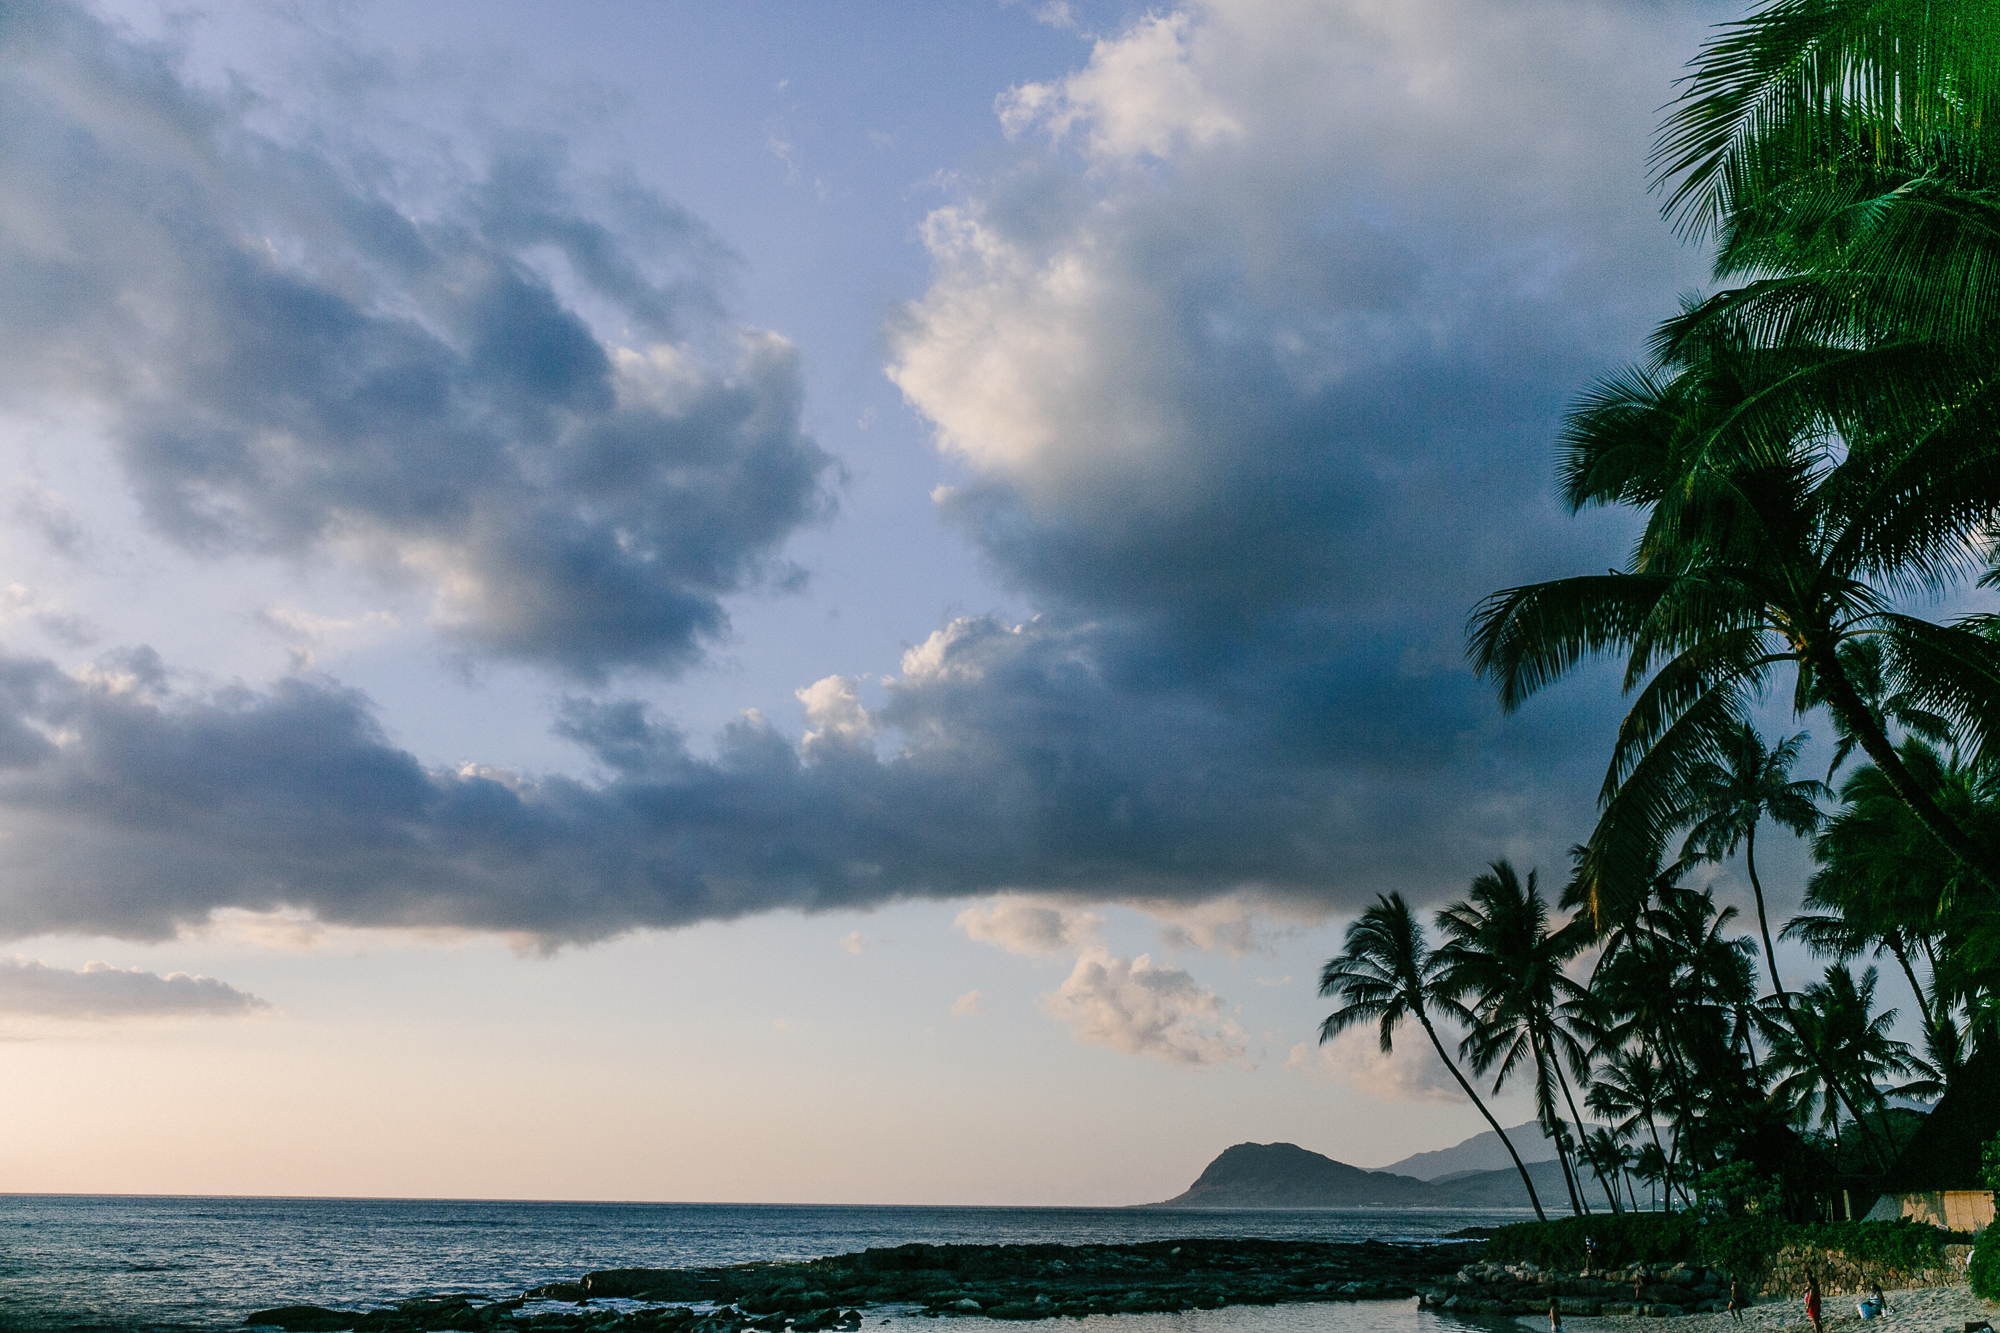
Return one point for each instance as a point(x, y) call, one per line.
point(1500, 952)
point(1384, 975)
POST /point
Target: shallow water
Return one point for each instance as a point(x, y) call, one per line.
point(132, 1263)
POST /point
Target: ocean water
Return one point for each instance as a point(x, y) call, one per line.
point(149, 1263)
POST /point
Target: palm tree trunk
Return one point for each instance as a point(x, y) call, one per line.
point(1576, 1119)
point(1505, 1142)
point(1842, 697)
point(1545, 1112)
point(1784, 996)
point(1576, 1202)
point(1902, 952)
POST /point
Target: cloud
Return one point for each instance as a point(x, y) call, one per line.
point(300, 349)
point(1140, 96)
point(1253, 356)
point(1228, 924)
point(853, 942)
point(833, 709)
point(968, 1005)
point(1251, 392)
point(1132, 1006)
point(1024, 925)
point(1413, 1073)
point(98, 990)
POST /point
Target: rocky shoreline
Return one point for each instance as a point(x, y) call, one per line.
point(1651, 1290)
point(1019, 1282)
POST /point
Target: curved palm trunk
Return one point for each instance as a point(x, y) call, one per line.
point(1924, 1002)
point(1582, 1148)
point(1505, 1142)
point(1576, 1204)
point(1785, 999)
point(1545, 1112)
point(1844, 699)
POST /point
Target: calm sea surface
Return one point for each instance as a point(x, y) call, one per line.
point(125, 1263)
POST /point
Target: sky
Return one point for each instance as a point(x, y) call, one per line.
point(780, 601)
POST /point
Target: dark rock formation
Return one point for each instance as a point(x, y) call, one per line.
point(993, 1281)
point(1659, 1290)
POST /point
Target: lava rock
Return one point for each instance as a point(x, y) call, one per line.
point(302, 1319)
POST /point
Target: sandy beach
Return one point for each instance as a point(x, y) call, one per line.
point(1919, 1310)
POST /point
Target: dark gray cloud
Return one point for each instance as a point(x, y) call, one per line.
point(97, 990)
point(1254, 367)
point(294, 359)
point(130, 809)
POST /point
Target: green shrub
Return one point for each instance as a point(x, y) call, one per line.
point(1736, 1246)
point(1984, 1270)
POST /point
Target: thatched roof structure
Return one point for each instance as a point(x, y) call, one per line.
point(1944, 1152)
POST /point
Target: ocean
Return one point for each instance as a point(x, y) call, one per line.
point(129, 1263)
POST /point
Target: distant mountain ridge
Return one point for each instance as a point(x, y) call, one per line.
point(1284, 1175)
point(1481, 1152)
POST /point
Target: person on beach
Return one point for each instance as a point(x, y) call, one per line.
point(1812, 1303)
point(1589, 1254)
point(1875, 1295)
point(1735, 1299)
point(1555, 1316)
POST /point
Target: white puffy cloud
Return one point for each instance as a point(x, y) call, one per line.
point(1412, 1073)
point(1142, 94)
point(1030, 925)
point(969, 1005)
point(1132, 1005)
point(29, 988)
point(834, 711)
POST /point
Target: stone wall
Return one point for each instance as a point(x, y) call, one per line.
point(1841, 1275)
point(1665, 1290)
point(1659, 1290)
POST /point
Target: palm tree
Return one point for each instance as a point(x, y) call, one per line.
point(1630, 1089)
point(1881, 884)
point(1732, 794)
point(1383, 975)
point(1607, 1154)
point(1812, 443)
point(1500, 952)
point(1833, 1047)
point(1863, 661)
point(1772, 540)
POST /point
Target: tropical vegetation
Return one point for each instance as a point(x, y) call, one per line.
point(1811, 455)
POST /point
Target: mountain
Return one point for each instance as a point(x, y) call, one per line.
point(1481, 1152)
point(1284, 1175)
point(1502, 1189)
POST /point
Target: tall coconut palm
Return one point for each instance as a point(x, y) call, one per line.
point(1730, 797)
point(1384, 975)
point(1815, 442)
point(1630, 1090)
point(1865, 666)
point(1735, 792)
point(1851, 1050)
point(1772, 539)
point(1611, 1157)
point(1881, 885)
point(1501, 954)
